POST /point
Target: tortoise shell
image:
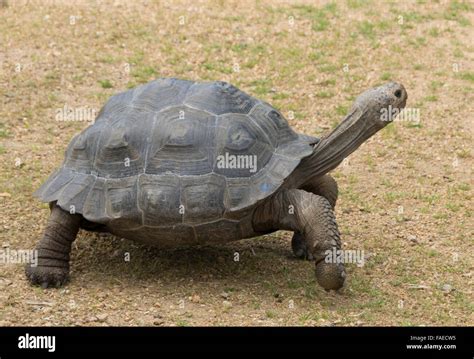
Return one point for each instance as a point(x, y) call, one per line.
point(174, 152)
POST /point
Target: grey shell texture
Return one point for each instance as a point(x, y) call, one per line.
point(172, 144)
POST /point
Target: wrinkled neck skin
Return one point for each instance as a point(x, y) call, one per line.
point(360, 124)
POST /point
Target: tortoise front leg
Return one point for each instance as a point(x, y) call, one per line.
point(312, 216)
point(324, 186)
point(53, 250)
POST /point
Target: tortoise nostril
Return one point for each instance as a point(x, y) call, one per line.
point(398, 93)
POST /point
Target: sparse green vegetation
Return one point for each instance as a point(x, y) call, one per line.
point(366, 28)
point(468, 76)
point(106, 84)
point(341, 110)
point(144, 73)
point(3, 131)
point(456, 10)
point(324, 94)
point(319, 16)
point(431, 98)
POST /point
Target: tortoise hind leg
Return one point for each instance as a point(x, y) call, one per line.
point(312, 216)
point(324, 186)
point(52, 269)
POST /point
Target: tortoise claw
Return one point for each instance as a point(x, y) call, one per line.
point(47, 277)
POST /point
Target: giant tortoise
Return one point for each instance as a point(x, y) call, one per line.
point(180, 163)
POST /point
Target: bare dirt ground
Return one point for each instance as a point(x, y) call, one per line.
point(406, 196)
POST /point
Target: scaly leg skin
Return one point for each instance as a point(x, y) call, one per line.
point(312, 216)
point(324, 186)
point(53, 250)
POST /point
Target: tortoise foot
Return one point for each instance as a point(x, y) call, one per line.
point(47, 277)
point(330, 275)
point(299, 247)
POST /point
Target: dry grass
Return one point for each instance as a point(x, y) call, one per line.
point(406, 196)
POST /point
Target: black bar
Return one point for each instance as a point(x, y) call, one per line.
point(81, 340)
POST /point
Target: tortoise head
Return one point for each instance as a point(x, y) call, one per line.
point(380, 105)
point(371, 111)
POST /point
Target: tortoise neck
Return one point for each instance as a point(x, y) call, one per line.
point(328, 153)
